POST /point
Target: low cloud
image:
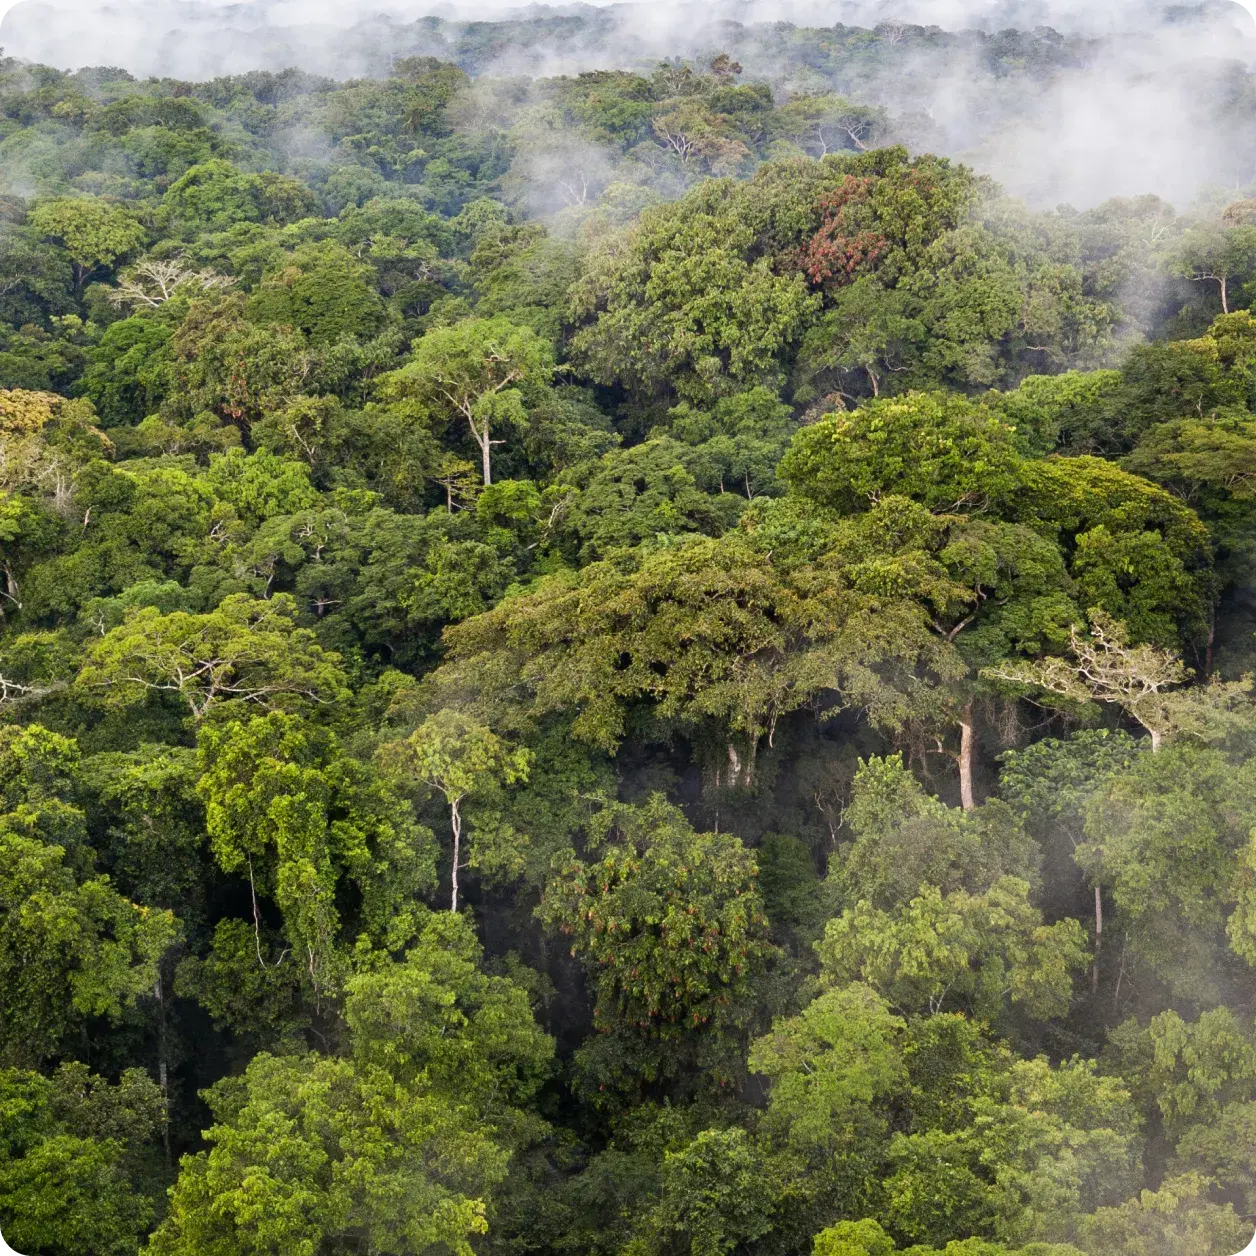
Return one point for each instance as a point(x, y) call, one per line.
point(1141, 98)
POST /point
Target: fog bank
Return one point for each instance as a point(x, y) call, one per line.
point(1093, 100)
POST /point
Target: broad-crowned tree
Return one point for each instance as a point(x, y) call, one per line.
point(94, 233)
point(246, 651)
point(317, 1154)
point(437, 1022)
point(971, 951)
point(481, 372)
point(71, 946)
point(1179, 1219)
point(668, 923)
point(701, 633)
point(74, 1175)
point(1171, 836)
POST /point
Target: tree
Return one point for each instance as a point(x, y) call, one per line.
point(129, 372)
point(636, 495)
point(315, 1154)
point(72, 1160)
point(714, 1196)
point(1143, 680)
point(213, 195)
point(1044, 1147)
point(94, 233)
point(231, 368)
point(435, 1020)
point(970, 950)
point(70, 945)
point(1177, 1220)
point(904, 838)
point(688, 302)
point(1171, 835)
point(828, 123)
point(940, 450)
point(456, 756)
point(1049, 785)
point(479, 370)
point(1220, 1149)
point(244, 651)
point(832, 1070)
point(306, 822)
point(1220, 255)
point(1188, 1073)
point(668, 922)
point(724, 632)
point(853, 1238)
point(323, 291)
point(153, 281)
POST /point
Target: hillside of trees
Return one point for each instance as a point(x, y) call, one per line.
point(627, 664)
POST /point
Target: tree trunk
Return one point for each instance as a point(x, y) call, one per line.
point(967, 747)
point(483, 439)
point(1155, 740)
point(455, 816)
point(1225, 294)
point(1094, 976)
point(163, 1068)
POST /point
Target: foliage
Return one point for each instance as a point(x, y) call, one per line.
point(680, 488)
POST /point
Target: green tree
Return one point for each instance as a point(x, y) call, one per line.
point(974, 950)
point(688, 304)
point(668, 922)
point(1187, 1073)
point(1177, 1220)
point(853, 1238)
point(721, 633)
point(1218, 254)
point(1171, 835)
point(323, 291)
point(832, 1070)
point(285, 805)
point(214, 195)
point(72, 1160)
point(313, 1154)
point(904, 838)
point(437, 1022)
point(455, 756)
point(70, 945)
point(245, 651)
point(94, 233)
point(480, 371)
point(715, 1197)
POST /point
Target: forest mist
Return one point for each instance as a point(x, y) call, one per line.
point(1112, 100)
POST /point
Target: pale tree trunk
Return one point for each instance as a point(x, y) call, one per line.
point(1094, 977)
point(455, 819)
point(967, 749)
point(486, 459)
point(482, 439)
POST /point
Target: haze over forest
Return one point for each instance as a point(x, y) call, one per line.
point(1099, 100)
point(628, 630)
